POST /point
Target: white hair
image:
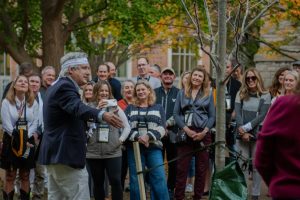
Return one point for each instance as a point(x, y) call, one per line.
point(47, 68)
point(72, 60)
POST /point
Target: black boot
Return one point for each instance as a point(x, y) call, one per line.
point(9, 196)
point(24, 195)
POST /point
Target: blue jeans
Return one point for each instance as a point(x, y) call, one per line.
point(150, 157)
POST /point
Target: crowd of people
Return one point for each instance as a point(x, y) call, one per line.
point(74, 135)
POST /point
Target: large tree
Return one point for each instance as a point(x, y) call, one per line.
point(46, 28)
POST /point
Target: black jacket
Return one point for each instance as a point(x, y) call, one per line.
point(167, 100)
point(64, 139)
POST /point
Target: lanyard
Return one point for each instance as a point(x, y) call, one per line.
point(145, 117)
point(21, 108)
point(141, 78)
point(228, 87)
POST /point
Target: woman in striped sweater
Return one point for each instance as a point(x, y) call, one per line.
point(147, 121)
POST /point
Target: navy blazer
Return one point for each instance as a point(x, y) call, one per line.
point(64, 139)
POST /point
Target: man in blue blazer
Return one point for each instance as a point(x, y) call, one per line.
point(63, 148)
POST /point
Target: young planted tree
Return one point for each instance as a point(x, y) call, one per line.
point(224, 34)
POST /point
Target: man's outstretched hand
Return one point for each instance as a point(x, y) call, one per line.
point(113, 119)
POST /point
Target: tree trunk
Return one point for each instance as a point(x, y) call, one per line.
point(53, 36)
point(220, 120)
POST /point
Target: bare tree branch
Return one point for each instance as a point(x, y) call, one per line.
point(259, 15)
point(188, 13)
point(208, 19)
point(237, 43)
point(273, 47)
point(200, 37)
point(290, 51)
point(245, 17)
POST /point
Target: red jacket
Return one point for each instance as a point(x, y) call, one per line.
point(122, 104)
point(278, 148)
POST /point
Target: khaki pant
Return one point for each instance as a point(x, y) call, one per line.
point(38, 182)
point(248, 150)
point(67, 183)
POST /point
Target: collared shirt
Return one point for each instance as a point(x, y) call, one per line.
point(10, 115)
point(154, 82)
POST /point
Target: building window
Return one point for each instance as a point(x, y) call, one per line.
point(183, 59)
point(4, 72)
point(4, 65)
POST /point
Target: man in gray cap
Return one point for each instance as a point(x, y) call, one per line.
point(166, 96)
point(63, 147)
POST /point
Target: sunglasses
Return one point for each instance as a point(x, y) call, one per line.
point(249, 78)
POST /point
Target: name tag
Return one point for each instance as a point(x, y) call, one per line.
point(188, 118)
point(228, 102)
point(21, 124)
point(103, 131)
point(142, 128)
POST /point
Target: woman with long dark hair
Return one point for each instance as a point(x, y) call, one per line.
point(194, 113)
point(19, 112)
point(276, 88)
point(104, 145)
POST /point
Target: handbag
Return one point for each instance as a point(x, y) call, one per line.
point(181, 137)
point(229, 183)
point(20, 135)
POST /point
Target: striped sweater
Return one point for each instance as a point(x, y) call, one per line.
point(155, 118)
point(252, 110)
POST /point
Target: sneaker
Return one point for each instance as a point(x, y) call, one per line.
point(127, 189)
point(171, 194)
point(189, 188)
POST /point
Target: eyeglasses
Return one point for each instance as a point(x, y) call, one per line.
point(249, 78)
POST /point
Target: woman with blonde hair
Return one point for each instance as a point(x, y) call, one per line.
point(87, 92)
point(183, 79)
point(147, 121)
point(194, 113)
point(251, 106)
point(19, 113)
point(290, 82)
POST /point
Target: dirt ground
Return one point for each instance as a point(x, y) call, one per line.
point(263, 196)
point(126, 194)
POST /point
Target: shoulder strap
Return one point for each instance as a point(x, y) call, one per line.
point(25, 109)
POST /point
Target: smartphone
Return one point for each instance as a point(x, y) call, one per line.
point(111, 102)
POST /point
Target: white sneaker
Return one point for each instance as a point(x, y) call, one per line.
point(189, 188)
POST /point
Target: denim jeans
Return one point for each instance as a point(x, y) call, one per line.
point(150, 157)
